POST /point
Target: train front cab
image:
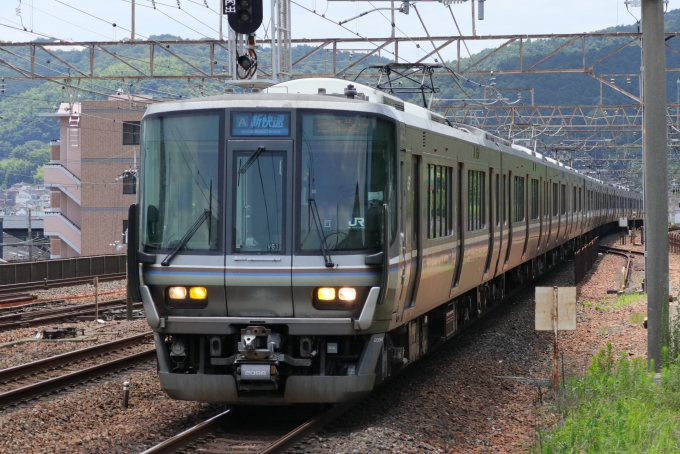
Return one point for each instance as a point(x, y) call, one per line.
point(261, 252)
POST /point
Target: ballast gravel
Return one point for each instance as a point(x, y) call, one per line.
point(454, 400)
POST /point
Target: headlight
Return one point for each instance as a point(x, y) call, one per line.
point(198, 293)
point(325, 294)
point(347, 294)
point(177, 293)
point(335, 298)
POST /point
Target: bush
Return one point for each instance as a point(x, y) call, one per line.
point(617, 407)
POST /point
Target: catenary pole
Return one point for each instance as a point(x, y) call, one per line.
point(132, 28)
point(655, 177)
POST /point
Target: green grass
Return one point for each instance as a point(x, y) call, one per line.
point(628, 299)
point(620, 301)
point(637, 318)
point(617, 407)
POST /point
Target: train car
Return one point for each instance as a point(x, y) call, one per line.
point(306, 242)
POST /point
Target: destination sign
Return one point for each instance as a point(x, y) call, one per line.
point(342, 126)
point(260, 124)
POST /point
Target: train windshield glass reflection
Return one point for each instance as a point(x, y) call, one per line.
point(180, 161)
point(347, 168)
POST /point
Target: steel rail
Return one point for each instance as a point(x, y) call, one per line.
point(45, 386)
point(173, 444)
point(615, 250)
point(213, 424)
point(46, 284)
point(59, 314)
point(52, 311)
point(295, 435)
point(629, 260)
point(58, 360)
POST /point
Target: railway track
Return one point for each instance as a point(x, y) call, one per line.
point(45, 376)
point(232, 430)
point(630, 258)
point(46, 316)
point(47, 284)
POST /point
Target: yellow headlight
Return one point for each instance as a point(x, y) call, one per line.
point(347, 294)
point(177, 293)
point(325, 293)
point(198, 293)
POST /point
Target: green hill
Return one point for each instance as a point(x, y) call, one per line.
point(22, 101)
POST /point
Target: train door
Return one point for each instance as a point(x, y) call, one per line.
point(415, 246)
point(259, 253)
point(407, 245)
point(508, 201)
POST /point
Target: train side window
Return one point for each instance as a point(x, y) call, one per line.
point(498, 200)
point(573, 201)
point(439, 192)
point(505, 197)
point(579, 200)
point(534, 198)
point(476, 200)
point(563, 198)
point(555, 199)
point(546, 200)
point(519, 199)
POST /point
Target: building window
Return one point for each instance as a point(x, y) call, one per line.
point(519, 199)
point(476, 200)
point(125, 232)
point(129, 182)
point(534, 199)
point(131, 132)
point(439, 201)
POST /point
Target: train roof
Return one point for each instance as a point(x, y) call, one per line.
point(309, 91)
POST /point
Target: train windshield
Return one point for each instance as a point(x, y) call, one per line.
point(347, 168)
point(180, 161)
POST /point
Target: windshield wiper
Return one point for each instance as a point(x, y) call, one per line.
point(187, 236)
point(207, 214)
point(322, 238)
point(253, 157)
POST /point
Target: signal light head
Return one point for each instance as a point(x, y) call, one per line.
point(244, 62)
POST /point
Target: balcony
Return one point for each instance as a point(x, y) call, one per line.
point(58, 176)
point(56, 224)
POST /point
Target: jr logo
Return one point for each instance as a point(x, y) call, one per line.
point(358, 222)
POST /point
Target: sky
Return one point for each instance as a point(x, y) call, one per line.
point(195, 19)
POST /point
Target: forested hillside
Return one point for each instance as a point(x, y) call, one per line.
point(24, 135)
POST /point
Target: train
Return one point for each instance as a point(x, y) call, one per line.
point(304, 242)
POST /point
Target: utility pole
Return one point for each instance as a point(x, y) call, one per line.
point(393, 24)
point(655, 166)
point(132, 32)
point(30, 237)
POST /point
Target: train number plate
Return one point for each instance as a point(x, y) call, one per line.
point(255, 372)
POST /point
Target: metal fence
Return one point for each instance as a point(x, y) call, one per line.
point(96, 265)
point(584, 259)
point(674, 243)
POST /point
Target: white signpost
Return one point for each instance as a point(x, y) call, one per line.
point(555, 311)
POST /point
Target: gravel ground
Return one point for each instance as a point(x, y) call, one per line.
point(83, 294)
point(451, 401)
point(92, 420)
point(31, 350)
point(95, 333)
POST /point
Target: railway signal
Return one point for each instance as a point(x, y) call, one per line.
point(245, 16)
